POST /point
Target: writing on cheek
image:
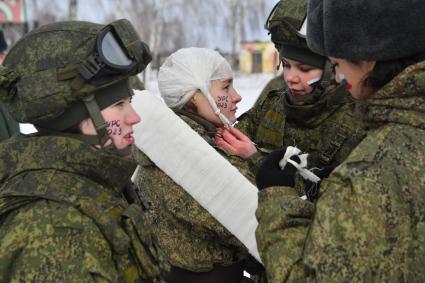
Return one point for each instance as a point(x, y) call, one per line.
point(222, 101)
point(114, 127)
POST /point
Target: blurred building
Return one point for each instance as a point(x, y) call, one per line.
point(13, 19)
point(257, 57)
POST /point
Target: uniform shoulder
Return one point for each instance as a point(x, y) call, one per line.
point(40, 217)
point(393, 149)
point(55, 235)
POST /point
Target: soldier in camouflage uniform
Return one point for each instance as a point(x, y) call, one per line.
point(319, 122)
point(277, 83)
point(68, 212)
point(368, 224)
point(196, 245)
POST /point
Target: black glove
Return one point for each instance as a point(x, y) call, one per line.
point(270, 174)
point(312, 189)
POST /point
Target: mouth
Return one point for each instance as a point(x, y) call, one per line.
point(296, 91)
point(234, 109)
point(129, 138)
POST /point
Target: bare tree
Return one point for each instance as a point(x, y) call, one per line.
point(72, 10)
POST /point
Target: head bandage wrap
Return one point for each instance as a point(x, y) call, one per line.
point(188, 70)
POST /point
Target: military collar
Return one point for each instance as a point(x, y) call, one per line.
point(310, 116)
point(68, 155)
point(209, 127)
point(400, 101)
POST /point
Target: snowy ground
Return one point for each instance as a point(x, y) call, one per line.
point(248, 86)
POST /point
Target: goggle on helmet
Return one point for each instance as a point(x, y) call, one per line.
point(116, 53)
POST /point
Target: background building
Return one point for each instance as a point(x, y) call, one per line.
point(258, 57)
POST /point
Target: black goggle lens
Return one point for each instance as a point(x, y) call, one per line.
point(112, 51)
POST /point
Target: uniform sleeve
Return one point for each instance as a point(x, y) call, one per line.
point(51, 242)
point(284, 221)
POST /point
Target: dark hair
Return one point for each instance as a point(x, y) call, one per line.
point(74, 129)
point(384, 71)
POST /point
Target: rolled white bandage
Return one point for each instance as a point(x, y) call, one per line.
point(301, 167)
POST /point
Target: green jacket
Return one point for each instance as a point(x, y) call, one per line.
point(64, 217)
point(8, 126)
point(189, 236)
point(327, 130)
point(368, 224)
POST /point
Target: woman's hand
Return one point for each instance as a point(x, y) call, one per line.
point(270, 174)
point(235, 142)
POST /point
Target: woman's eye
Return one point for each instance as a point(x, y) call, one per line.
point(306, 69)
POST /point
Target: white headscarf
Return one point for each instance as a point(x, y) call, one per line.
point(188, 70)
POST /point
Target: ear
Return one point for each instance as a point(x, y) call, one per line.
point(367, 65)
point(86, 126)
point(192, 104)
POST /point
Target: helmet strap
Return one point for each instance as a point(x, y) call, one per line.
point(96, 116)
point(101, 127)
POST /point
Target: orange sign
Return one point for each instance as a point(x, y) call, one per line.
point(12, 11)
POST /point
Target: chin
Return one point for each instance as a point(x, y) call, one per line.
point(232, 119)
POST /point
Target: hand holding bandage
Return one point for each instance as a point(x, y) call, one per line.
point(280, 167)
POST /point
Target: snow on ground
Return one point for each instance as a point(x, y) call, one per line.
point(248, 86)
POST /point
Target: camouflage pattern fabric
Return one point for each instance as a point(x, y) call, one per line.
point(8, 126)
point(136, 83)
point(63, 217)
point(188, 235)
point(368, 224)
point(285, 21)
point(327, 130)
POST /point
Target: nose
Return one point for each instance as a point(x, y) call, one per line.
point(292, 77)
point(236, 98)
point(132, 117)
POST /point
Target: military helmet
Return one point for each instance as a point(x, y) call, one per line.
point(53, 72)
point(286, 24)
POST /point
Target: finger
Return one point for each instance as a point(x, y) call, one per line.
point(275, 156)
point(223, 144)
point(239, 135)
point(229, 137)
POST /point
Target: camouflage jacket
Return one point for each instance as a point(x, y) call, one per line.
point(327, 130)
point(8, 126)
point(189, 236)
point(368, 224)
point(64, 217)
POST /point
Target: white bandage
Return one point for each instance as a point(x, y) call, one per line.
point(301, 167)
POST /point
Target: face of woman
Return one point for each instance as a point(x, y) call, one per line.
point(300, 77)
point(120, 118)
point(352, 74)
point(225, 97)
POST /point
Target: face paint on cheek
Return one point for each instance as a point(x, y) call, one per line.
point(114, 127)
point(313, 81)
point(344, 82)
point(222, 101)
